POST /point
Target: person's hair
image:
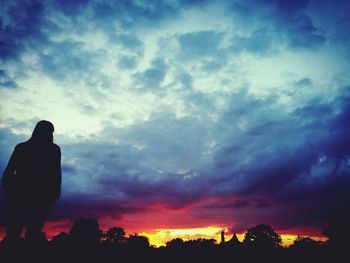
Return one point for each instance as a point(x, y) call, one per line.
point(43, 132)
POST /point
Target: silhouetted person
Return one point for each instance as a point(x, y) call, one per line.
point(32, 183)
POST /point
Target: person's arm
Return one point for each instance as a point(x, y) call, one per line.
point(57, 175)
point(9, 171)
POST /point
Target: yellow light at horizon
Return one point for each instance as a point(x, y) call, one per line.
point(160, 237)
point(288, 239)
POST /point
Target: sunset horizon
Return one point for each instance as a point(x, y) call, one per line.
point(181, 119)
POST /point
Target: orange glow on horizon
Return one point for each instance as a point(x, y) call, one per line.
point(288, 239)
point(159, 237)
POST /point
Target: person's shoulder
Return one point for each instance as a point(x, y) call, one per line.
point(56, 147)
point(21, 145)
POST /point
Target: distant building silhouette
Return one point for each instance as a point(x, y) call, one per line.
point(222, 237)
point(234, 240)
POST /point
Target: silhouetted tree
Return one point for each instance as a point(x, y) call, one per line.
point(305, 243)
point(200, 243)
point(262, 236)
point(61, 239)
point(85, 231)
point(338, 232)
point(175, 243)
point(115, 235)
point(138, 242)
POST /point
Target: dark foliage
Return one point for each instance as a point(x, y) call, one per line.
point(263, 237)
point(137, 242)
point(338, 232)
point(114, 235)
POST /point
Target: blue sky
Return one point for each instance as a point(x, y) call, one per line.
point(213, 112)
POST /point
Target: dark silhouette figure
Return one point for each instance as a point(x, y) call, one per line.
point(32, 183)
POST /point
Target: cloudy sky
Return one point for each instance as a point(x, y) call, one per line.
point(185, 114)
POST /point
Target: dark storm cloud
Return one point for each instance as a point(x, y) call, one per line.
point(288, 160)
point(28, 25)
point(83, 206)
point(283, 19)
point(308, 173)
point(136, 166)
point(21, 25)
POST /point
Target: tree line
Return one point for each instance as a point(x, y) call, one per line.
point(86, 242)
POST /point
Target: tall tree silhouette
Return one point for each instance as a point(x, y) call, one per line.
point(262, 236)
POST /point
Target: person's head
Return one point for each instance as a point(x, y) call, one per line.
point(43, 132)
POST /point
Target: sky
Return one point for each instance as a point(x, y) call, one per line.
point(178, 115)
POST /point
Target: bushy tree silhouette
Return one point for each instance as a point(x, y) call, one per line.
point(176, 243)
point(200, 243)
point(115, 235)
point(305, 243)
point(262, 237)
point(137, 242)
